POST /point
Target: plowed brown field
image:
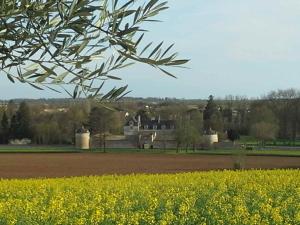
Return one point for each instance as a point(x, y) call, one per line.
point(32, 165)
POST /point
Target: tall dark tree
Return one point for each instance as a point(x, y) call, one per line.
point(4, 129)
point(11, 109)
point(14, 127)
point(24, 117)
point(233, 135)
point(210, 109)
point(212, 117)
point(21, 126)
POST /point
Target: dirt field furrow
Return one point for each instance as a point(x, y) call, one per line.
point(32, 165)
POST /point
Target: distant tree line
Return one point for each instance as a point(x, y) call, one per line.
point(18, 126)
point(273, 117)
point(57, 123)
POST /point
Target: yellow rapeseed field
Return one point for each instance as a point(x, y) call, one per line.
point(228, 197)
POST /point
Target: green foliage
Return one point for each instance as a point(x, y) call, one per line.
point(260, 112)
point(285, 104)
point(216, 121)
point(25, 120)
point(188, 130)
point(212, 117)
point(48, 133)
point(103, 121)
point(4, 129)
point(233, 135)
point(81, 43)
point(4, 122)
point(264, 131)
point(21, 123)
point(57, 124)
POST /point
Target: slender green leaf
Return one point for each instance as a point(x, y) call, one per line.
point(166, 72)
point(155, 50)
point(10, 78)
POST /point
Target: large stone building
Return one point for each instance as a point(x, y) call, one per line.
point(150, 133)
point(140, 131)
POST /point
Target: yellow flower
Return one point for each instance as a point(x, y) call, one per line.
point(217, 197)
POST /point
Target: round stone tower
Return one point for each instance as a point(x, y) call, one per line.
point(82, 139)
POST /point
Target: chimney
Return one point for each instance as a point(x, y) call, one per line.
point(139, 122)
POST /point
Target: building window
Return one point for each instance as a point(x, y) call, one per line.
point(154, 127)
point(145, 127)
point(131, 125)
point(163, 127)
point(172, 127)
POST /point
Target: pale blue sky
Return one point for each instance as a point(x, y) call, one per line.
point(245, 47)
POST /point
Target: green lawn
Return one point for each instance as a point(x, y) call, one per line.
point(205, 152)
point(248, 140)
point(36, 149)
point(251, 152)
point(71, 149)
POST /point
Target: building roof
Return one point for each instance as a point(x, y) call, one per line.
point(169, 124)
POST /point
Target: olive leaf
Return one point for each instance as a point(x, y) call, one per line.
point(79, 43)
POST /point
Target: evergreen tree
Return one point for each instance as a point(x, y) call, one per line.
point(11, 108)
point(24, 121)
point(211, 116)
point(14, 127)
point(21, 123)
point(233, 135)
point(4, 129)
point(210, 108)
